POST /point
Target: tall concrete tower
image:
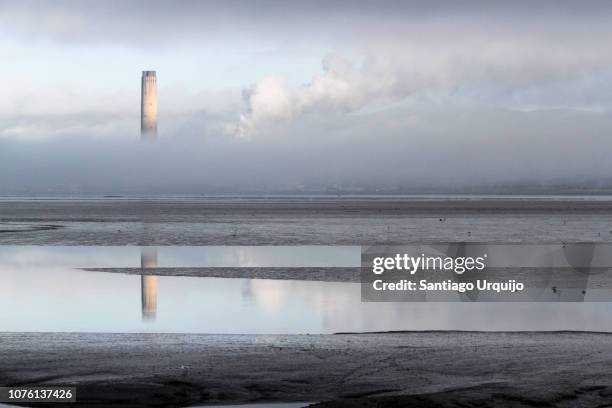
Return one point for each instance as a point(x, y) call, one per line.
point(148, 106)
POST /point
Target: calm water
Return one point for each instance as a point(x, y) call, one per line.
point(42, 289)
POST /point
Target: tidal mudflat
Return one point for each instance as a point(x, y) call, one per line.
point(130, 328)
point(430, 369)
point(304, 220)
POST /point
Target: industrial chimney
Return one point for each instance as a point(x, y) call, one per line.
point(148, 106)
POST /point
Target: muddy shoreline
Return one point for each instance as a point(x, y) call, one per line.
point(322, 274)
point(389, 369)
point(305, 221)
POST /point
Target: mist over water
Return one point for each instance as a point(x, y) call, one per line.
point(434, 152)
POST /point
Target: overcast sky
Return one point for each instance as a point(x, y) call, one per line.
point(275, 94)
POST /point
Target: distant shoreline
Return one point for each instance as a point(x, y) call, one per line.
point(305, 220)
point(315, 196)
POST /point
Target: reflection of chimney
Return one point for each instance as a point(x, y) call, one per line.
point(148, 260)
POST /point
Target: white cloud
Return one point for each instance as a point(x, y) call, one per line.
point(500, 71)
point(341, 87)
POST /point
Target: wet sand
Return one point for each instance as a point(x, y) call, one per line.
point(323, 274)
point(309, 221)
point(380, 369)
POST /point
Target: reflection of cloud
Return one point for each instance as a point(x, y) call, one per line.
point(338, 305)
point(270, 295)
point(36, 257)
point(334, 302)
point(339, 308)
